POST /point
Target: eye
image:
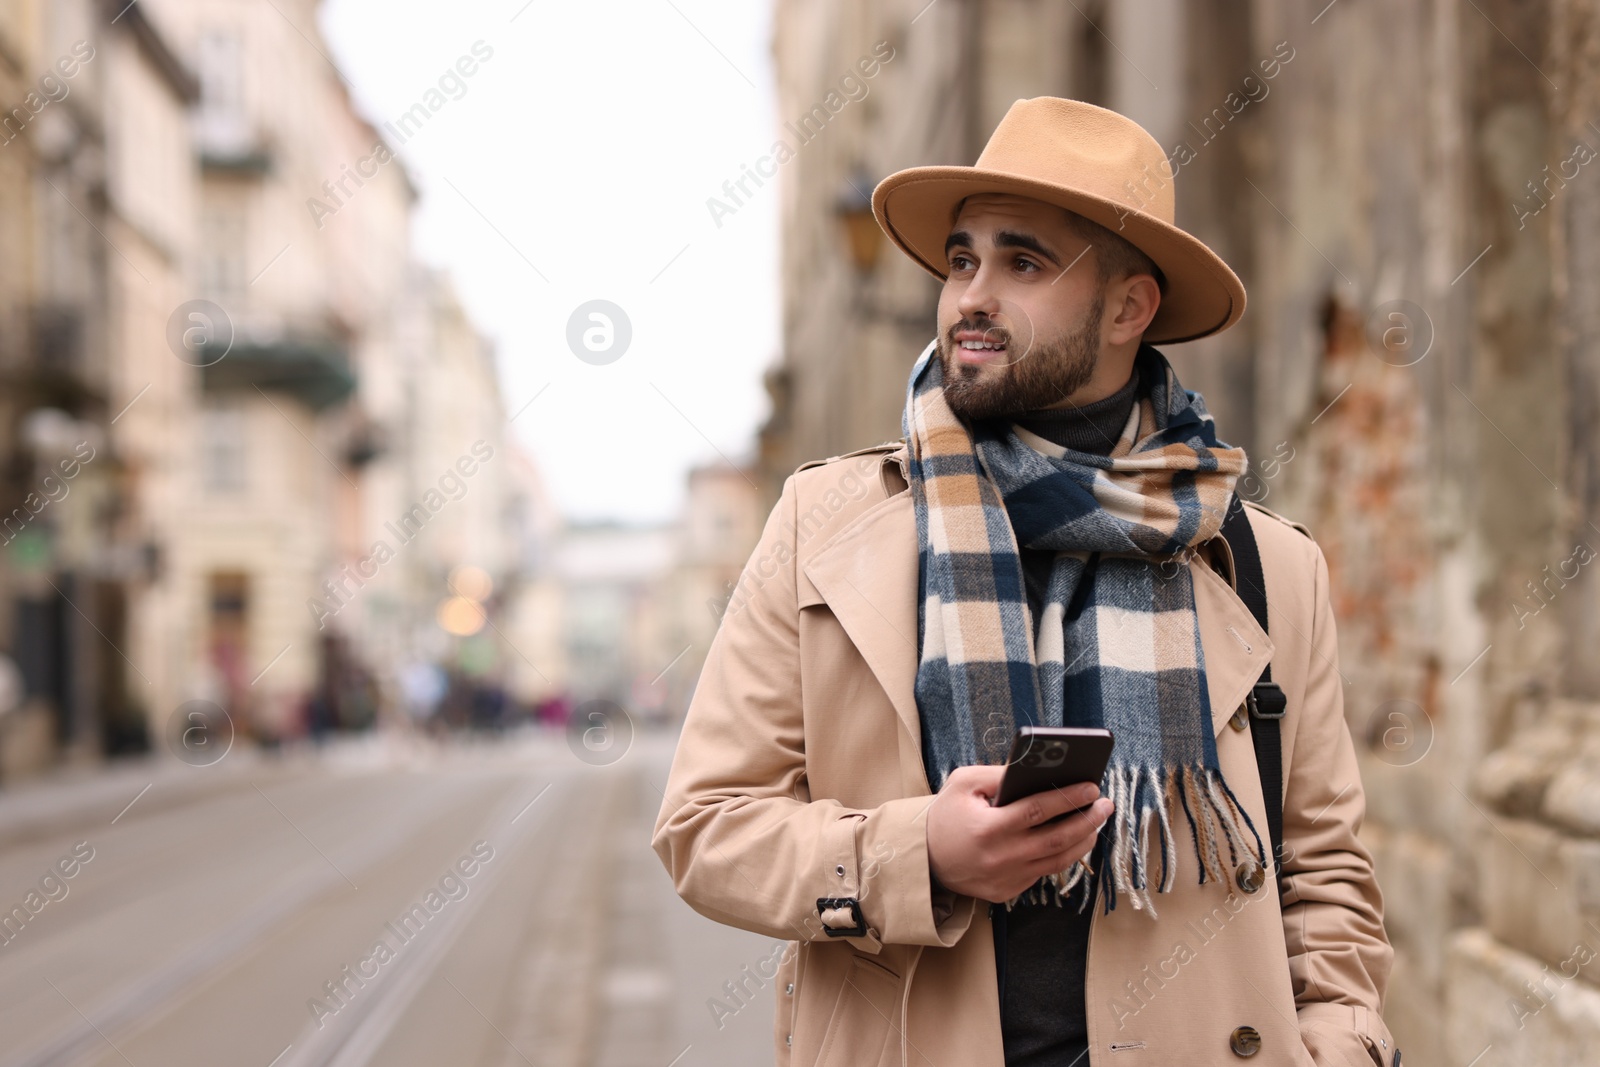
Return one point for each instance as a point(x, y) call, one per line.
point(1024, 262)
point(957, 260)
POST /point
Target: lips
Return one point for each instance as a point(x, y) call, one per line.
point(980, 346)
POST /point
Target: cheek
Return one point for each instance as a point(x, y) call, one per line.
point(1065, 312)
point(1030, 319)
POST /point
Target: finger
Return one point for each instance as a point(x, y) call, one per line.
point(979, 778)
point(1041, 807)
point(1072, 837)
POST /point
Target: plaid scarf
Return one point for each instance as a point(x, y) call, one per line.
point(1117, 644)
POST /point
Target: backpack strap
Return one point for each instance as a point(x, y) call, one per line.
point(1267, 702)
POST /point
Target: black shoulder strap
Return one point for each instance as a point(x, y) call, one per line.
point(1267, 702)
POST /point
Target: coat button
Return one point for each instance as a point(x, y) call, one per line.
point(1245, 1041)
point(788, 1039)
point(788, 990)
point(1250, 877)
point(1239, 720)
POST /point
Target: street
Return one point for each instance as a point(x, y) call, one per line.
point(379, 901)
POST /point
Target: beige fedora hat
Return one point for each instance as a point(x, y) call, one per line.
point(1100, 164)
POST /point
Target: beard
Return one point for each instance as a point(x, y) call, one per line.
point(1047, 372)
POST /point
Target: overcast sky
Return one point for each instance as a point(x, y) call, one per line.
point(576, 167)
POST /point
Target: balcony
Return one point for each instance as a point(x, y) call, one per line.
point(314, 371)
point(50, 361)
point(230, 141)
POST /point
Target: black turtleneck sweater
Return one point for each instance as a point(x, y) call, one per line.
point(1094, 428)
point(1041, 949)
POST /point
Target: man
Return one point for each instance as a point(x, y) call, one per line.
point(1043, 547)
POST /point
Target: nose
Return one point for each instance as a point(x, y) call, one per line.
point(980, 296)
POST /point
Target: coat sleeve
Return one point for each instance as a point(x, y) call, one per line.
point(1339, 955)
point(744, 843)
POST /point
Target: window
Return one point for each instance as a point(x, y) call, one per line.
point(222, 252)
point(221, 78)
point(223, 453)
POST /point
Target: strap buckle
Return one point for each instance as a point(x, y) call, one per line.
point(825, 904)
point(1266, 701)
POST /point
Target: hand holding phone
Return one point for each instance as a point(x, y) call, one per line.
point(983, 845)
point(1054, 757)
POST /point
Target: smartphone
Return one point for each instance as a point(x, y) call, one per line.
point(1054, 757)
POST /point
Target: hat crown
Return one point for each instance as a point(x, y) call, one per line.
point(1079, 145)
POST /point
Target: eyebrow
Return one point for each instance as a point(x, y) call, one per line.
point(1005, 239)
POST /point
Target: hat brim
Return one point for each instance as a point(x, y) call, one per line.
point(916, 208)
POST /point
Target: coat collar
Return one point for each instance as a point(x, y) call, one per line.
point(867, 575)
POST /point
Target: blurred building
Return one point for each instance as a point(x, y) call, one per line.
point(325, 579)
point(280, 435)
point(722, 518)
point(633, 609)
point(448, 492)
point(153, 183)
point(249, 449)
point(98, 183)
point(534, 622)
point(612, 585)
point(1407, 193)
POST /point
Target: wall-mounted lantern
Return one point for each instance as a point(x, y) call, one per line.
point(853, 206)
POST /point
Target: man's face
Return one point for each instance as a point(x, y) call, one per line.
point(1020, 313)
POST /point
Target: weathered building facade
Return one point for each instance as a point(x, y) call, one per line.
point(230, 397)
point(1407, 192)
point(97, 185)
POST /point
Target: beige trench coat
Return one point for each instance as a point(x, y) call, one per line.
point(798, 784)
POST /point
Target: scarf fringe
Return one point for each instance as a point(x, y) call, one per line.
point(1120, 861)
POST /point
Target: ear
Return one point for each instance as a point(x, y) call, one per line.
point(1133, 301)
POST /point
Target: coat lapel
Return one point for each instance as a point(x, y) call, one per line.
point(867, 575)
point(1236, 649)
